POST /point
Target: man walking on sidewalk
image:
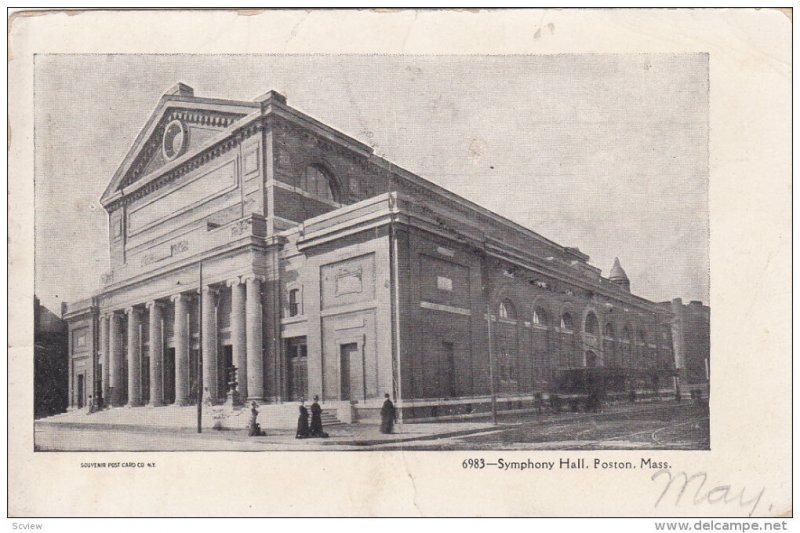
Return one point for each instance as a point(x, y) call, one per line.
point(388, 414)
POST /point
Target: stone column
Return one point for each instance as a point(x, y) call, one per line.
point(134, 357)
point(209, 320)
point(115, 358)
point(156, 353)
point(104, 360)
point(238, 336)
point(255, 353)
point(181, 338)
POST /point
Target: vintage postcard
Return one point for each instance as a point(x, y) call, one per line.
point(376, 254)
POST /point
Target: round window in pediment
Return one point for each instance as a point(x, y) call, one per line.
point(174, 140)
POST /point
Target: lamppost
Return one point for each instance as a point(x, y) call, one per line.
point(489, 319)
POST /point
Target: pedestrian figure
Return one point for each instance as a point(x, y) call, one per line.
point(388, 414)
point(254, 428)
point(302, 423)
point(594, 401)
point(555, 403)
point(316, 419)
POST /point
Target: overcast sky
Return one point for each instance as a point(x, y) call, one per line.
point(606, 153)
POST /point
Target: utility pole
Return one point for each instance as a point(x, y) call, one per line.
point(200, 360)
point(491, 364)
point(394, 251)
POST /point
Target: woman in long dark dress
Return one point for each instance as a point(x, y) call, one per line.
point(316, 419)
point(387, 416)
point(302, 424)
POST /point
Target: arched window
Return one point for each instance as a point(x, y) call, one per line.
point(317, 183)
point(591, 325)
point(609, 330)
point(506, 310)
point(294, 302)
point(566, 322)
point(540, 317)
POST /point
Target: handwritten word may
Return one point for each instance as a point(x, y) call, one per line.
point(724, 494)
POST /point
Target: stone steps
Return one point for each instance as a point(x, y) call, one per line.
point(282, 416)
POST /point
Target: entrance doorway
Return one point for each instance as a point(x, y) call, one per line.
point(345, 353)
point(81, 390)
point(194, 369)
point(448, 370)
point(224, 370)
point(169, 376)
point(145, 379)
point(100, 393)
point(297, 368)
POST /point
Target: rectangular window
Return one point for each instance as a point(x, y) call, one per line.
point(444, 284)
point(294, 304)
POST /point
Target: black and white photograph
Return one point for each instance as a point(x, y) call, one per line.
point(483, 258)
point(411, 262)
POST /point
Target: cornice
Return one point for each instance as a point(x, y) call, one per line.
point(305, 122)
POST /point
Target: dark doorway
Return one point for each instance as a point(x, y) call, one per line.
point(146, 379)
point(448, 370)
point(223, 373)
point(297, 368)
point(98, 393)
point(193, 374)
point(345, 352)
point(81, 390)
point(169, 376)
point(124, 393)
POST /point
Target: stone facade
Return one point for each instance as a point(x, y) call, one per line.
point(691, 331)
point(328, 270)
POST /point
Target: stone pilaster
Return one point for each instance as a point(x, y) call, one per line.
point(209, 321)
point(238, 335)
point(116, 376)
point(156, 353)
point(181, 340)
point(255, 352)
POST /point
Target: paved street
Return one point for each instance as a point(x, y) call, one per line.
point(664, 425)
point(654, 427)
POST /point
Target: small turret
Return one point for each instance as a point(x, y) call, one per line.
point(619, 276)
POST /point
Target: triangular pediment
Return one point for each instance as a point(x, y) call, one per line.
point(179, 125)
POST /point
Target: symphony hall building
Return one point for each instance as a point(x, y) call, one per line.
point(327, 270)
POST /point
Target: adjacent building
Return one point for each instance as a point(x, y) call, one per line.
point(691, 332)
point(251, 243)
point(50, 362)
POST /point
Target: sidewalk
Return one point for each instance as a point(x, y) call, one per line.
point(77, 435)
